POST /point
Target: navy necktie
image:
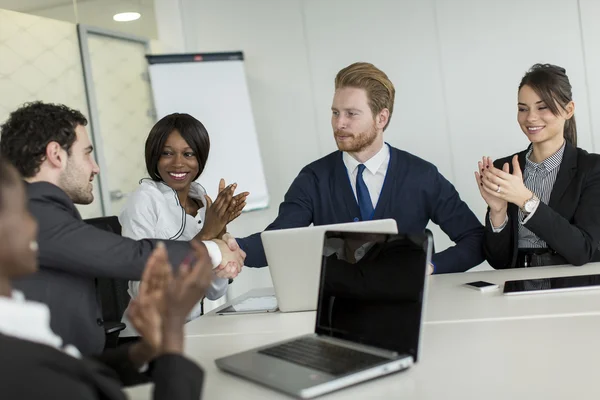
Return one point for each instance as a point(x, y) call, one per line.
point(362, 194)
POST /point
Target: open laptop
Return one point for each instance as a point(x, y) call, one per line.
point(369, 318)
point(294, 259)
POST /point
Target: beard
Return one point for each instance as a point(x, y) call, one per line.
point(358, 142)
point(77, 186)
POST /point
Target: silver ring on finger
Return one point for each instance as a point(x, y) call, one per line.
point(498, 190)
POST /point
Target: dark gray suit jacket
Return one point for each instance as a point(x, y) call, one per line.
point(71, 255)
point(34, 371)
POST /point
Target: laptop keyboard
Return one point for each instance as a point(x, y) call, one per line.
point(323, 356)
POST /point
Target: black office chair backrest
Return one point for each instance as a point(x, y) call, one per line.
point(114, 298)
point(112, 292)
point(110, 224)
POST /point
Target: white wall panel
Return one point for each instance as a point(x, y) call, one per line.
point(487, 46)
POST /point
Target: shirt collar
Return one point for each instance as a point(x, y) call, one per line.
point(372, 164)
point(549, 163)
point(29, 320)
point(196, 190)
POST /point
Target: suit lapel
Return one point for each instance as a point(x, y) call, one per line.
point(95, 375)
point(104, 379)
point(522, 161)
point(513, 209)
point(342, 191)
point(101, 378)
point(568, 169)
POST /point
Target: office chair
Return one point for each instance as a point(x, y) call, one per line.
point(112, 293)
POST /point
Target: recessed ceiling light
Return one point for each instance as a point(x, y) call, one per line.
point(126, 16)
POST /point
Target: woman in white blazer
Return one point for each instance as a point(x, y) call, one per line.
point(171, 205)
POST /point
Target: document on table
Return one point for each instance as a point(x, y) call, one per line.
point(257, 304)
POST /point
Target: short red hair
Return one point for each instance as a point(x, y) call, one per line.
point(380, 90)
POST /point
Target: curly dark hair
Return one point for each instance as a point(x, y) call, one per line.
point(28, 131)
point(190, 129)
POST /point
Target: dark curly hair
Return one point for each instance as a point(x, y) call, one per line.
point(190, 129)
point(28, 131)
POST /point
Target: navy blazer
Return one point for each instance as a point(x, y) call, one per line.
point(413, 193)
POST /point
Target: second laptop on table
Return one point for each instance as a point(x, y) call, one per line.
point(369, 318)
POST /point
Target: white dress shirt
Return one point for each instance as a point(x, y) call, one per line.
point(30, 320)
point(374, 173)
point(153, 211)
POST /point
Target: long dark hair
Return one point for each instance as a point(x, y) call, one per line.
point(551, 83)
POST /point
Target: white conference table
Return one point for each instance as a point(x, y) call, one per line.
point(550, 358)
point(448, 301)
point(214, 324)
point(474, 345)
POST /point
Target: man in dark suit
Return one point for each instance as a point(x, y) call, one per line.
point(369, 179)
point(35, 363)
point(51, 149)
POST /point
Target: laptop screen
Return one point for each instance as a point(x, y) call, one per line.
point(371, 289)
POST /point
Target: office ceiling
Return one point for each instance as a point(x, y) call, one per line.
point(92, 12)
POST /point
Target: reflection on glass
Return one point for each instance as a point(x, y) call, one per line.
point(372, 289)
point(555, 283)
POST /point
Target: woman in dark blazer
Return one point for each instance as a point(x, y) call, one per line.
point(544, 202)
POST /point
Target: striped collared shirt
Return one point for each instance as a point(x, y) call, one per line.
point(539, 178)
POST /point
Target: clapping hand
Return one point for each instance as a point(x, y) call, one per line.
point(496, 204)
point(165, 299)
point(504, 186)
point(223, 210)
point(146, 310)
point(188, 285)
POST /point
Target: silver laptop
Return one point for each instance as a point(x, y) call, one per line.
point(368, 323)
point(294, 258)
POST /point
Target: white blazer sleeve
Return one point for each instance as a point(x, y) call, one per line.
point(217, 288)
point(139, 216)
point(138, 221)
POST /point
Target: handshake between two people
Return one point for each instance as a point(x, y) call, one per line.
point(166, 297)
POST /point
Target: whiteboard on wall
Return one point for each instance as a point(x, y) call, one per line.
point(212, 88)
